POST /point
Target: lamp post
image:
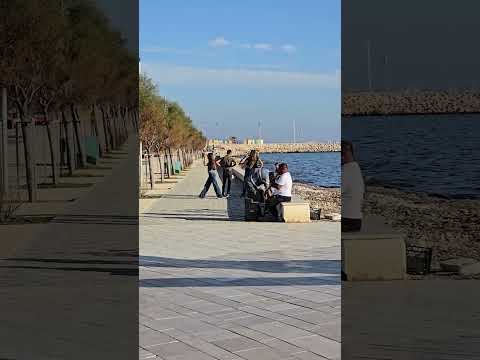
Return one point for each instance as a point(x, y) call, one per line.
point(294, 132)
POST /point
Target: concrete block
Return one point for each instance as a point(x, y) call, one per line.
point(470, 269)
point(375, 253)
point(454, 265)
point(334, 217)
point(295, 212)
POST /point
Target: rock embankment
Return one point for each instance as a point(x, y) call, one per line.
point(327, 199)
point(239, 149)
point(410, 102)
point(450, 227)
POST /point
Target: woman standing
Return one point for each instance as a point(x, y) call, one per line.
point(212, 165)
point(252, 161)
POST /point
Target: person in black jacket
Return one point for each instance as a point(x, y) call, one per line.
point(228, 162)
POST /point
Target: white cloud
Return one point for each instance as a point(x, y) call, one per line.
point(263, 46)
point(163, 50)
point(166, 74)
point(219, 42)
point(288, 48)
point(246, 46)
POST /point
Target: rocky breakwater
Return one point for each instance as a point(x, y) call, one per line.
point(410, 102)
point(239, 149)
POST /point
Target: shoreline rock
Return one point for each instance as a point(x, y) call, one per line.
point(326, 199)
point(450, 227)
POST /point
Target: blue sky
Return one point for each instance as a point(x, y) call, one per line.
point(233, 64)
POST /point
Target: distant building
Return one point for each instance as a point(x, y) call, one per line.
point(231, 140)
point(215, 142)
point(253, 141)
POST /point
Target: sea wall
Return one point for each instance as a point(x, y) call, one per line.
point(240, 149)
point(410, 102)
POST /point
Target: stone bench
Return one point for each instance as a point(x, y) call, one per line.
point(376, 252)
point(296, 211)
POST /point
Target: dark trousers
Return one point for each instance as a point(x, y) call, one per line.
point(351, 225)
point(274, 201)
point(227, 181)
point(212, 179)
point(245, 177)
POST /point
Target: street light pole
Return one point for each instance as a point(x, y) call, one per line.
point(369, 63)
point(294, 132)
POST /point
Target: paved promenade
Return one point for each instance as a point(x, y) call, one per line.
point(215, 287)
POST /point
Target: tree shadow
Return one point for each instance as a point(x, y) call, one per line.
point(271, 266)
point(113, 267)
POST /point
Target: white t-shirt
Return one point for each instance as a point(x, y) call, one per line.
point(353, 190)
point(286, 181)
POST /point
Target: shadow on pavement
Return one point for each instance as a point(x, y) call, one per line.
point(272, 266)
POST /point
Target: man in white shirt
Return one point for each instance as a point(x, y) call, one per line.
point(281, 189)
point(353, 190)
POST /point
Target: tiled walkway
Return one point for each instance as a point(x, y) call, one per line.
point(215, 287)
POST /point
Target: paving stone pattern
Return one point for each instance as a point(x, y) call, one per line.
point(215, 287)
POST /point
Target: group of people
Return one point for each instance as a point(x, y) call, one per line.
point(213, 163)
point(260, 184)
point(274, 187)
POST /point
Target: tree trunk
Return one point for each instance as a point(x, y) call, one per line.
point(96, 130)
point(140, 159)
point(17, 152)
point(29, 160)
point(150, 168)
point(171, 161)
point(51, 148)
point(67, 144)
point(161, 163)
point(169, 168)
point(105, 131)
point(78, 140)
point(180, 159)
point(114, 125)
point(113, 144)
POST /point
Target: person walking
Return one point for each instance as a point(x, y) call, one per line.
point(250, 162)
point(228, 162)
point(212, 165)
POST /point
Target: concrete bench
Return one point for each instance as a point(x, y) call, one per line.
point(296, 211)
point(377, 252)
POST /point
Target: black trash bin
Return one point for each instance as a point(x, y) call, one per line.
point(419, 260)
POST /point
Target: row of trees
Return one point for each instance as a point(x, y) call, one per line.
point(57, 59)
point(166, 132)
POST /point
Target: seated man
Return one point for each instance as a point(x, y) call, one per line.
point(353, 189)
point(281, 189)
